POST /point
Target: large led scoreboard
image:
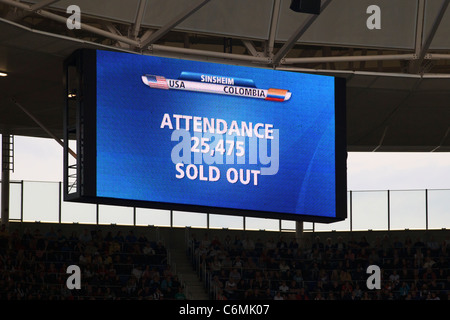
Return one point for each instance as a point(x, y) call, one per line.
point(176, 134)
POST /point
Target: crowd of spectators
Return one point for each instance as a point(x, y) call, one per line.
point(117, 266)
point(322, 269)
point(113, 266)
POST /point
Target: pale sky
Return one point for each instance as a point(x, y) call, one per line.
point(398, 171)
point(39, 159)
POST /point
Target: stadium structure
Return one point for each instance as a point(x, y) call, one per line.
point(395, 58)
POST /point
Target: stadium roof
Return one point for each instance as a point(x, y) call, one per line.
point(398, 77)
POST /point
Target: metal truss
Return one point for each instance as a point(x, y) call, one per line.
point(289, 55)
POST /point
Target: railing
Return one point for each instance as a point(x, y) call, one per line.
point(367, 210)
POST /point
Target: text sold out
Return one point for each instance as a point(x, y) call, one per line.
point(212, 174)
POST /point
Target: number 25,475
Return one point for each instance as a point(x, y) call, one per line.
point(202, 145)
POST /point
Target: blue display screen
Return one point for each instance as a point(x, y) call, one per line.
point(215, 135)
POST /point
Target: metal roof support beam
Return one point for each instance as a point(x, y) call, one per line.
point(442, 140)
point(62, 19)
point(29, 7)
point(381, 140)
point(89, 28)
point(112, 28)
point(350, 58)
point(437, 56)
point(42, 4)
point(419, 31)
point(43, 127)
point(208, 54)
point(17, 4)
point(250, 47)
point(297, 34)
point(173, 23)
point(351, 73)
point(273, 26)
point(115, 31)
point(420, 26)
point(430, 37)
point(139, 16)
point(147, 34)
